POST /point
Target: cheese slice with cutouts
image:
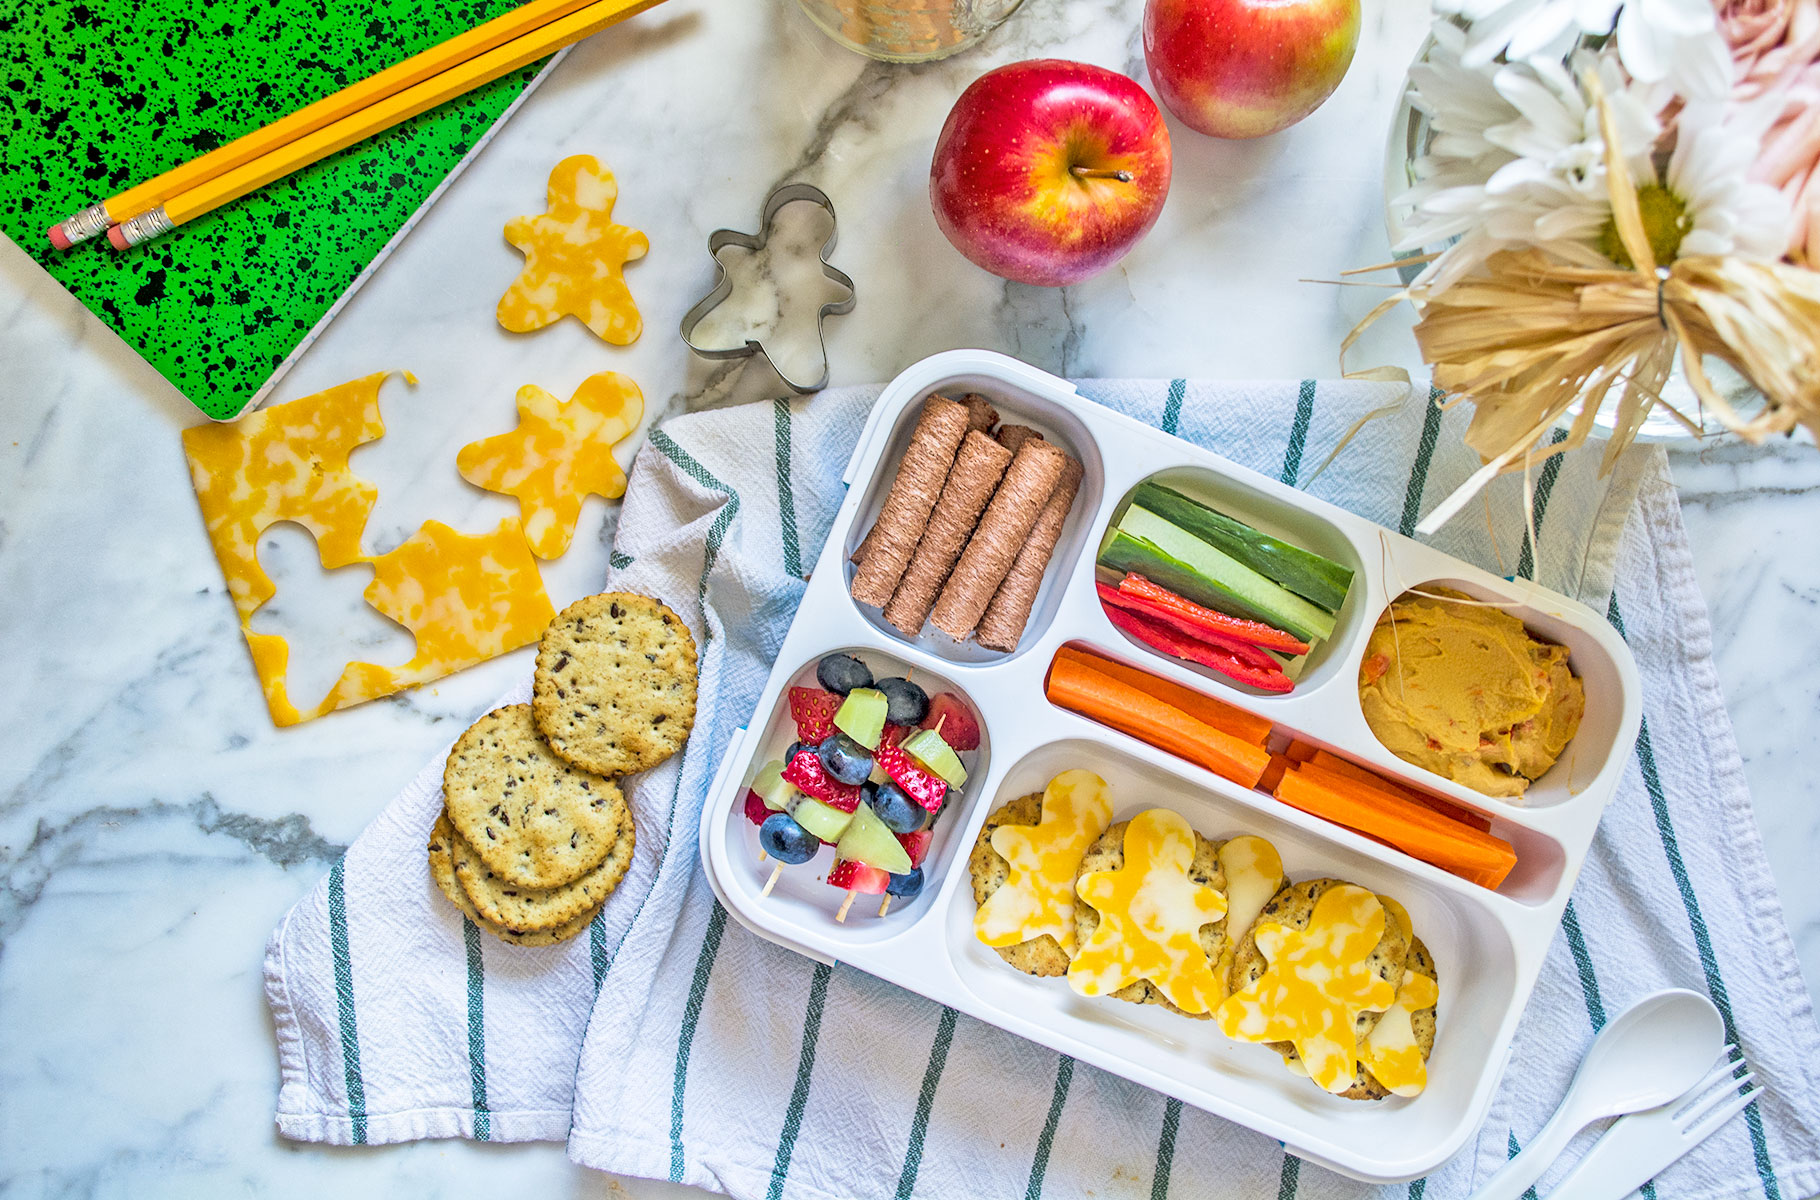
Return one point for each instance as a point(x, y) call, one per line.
point(575, 257)
point(1151, 915)
point(1037, 896)
point(1318, 980)
point(1254, 873)
point(285, 463)
point(559, 454)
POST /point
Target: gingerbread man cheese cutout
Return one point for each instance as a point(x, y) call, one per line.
point(1038, 893)
point(1318, 981)
point(1151, 915)
point(559, 454)
point(575, 257)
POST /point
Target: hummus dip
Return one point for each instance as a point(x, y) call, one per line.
point(1465, 691)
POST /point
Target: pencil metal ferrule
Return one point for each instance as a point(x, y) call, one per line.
point(91, 222)
point(135, 231)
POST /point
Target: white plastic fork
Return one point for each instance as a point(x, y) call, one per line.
point(1639, 1147)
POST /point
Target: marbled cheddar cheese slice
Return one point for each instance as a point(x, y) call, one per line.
point(1037, 896)
point(559, 454)
point(1254, 873)
point(1151, 914)
point(285, 463)
point(1391, 1052)
point(1317, 982)
point(575, 257)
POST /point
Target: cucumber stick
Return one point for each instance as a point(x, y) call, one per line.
point(1307, 574)
point(1216, 579)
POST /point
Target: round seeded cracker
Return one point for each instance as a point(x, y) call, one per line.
point(535, 910)
point(1294, 907)
point(1041, 955)
point(442, 871)
point(615, 686)
point(535, 820)
point(1108, 854)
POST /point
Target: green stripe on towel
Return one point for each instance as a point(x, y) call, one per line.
point(805, 1069)
point(786, 499)
point(1703, 942)
point(477, 1031)
point(1172, 406)
point(925, 1102)
point(685, 1037)
point(1064, 1075)
point(1551, 471)
point(1165, 1149)
point(1418, 474)
point(1291, 1179)
point(344, 1004)
point(1298, 433)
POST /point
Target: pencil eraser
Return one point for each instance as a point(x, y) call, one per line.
point(117, 239)
point(58, 238)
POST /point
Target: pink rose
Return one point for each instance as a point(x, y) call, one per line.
point(1776, 45)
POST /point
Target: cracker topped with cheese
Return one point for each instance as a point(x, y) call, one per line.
point(1152, 914)
point(1031, 896)
point(1315, 972)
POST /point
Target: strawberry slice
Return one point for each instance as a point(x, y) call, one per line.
point(756, 812)
point(806, 772)
point(924, 788)
point(858, 877)
point(916, 845)
point(813, 711)
point(894, 734)
point(956, 722)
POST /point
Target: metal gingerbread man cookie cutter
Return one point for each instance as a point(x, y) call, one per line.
point(720, 239)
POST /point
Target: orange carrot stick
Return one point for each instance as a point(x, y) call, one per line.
point(1417, 831)
point(1078, 687)
point(1366, 777)
point(1273, 773)
point(1300, 752)
point(1247, 727)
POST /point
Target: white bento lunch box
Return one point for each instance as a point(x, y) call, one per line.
point(1488, 946)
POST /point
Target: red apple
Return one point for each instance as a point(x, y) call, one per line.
point(1245, 68)
point(1048, 172)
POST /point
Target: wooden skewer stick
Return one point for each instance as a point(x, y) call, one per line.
point(845, 905)
point(772, 882)
point(886, 906)
point(761, 854)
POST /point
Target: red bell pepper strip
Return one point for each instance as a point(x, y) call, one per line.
point(1162, 637)
point(1245, 652)
point(1255, 632)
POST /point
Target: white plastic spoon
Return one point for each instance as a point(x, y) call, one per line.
point(1651, 1053)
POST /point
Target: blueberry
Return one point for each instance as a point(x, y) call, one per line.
point(904, 886)
point(795, 749)
point(905, 703)
point(845, 760)
point(897, 810)
point(786, 841)
point(842, 673)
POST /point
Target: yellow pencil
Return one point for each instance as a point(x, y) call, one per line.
point(524, 19)
point(211, 194)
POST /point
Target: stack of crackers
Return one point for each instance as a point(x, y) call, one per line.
point(535, 833)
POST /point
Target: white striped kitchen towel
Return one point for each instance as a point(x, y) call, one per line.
point(671, 1043)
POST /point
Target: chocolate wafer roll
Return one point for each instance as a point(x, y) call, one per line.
point(1004, 620)
point(1015, 507)
point(980, 413)
point(1013, 437)
point(977, 470)
point(913, 494)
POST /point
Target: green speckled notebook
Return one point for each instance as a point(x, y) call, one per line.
point(98, 96)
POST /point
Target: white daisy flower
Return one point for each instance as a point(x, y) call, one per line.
point(1671, 42)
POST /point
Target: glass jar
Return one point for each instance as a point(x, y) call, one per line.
point(908, 30)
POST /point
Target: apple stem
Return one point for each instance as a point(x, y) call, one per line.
point(1100, 173)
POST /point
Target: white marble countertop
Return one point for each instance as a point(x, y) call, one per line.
point(154, 825)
